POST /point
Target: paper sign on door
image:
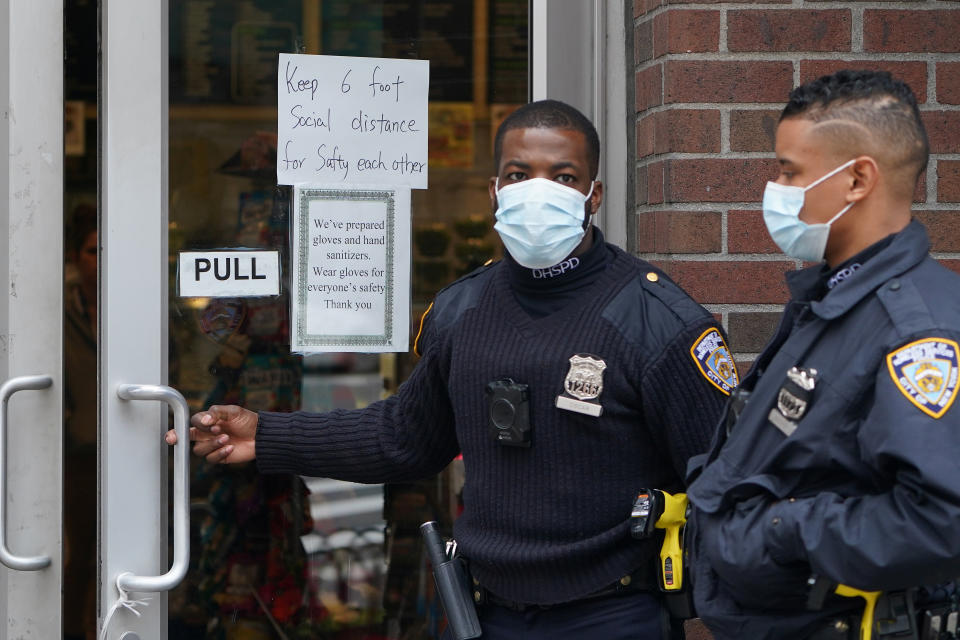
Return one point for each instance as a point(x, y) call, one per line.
point(350, 120)
point(235, 274)
point(351, 269)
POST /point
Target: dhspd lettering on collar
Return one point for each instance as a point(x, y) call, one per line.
point(556, 270)
point(842, 275)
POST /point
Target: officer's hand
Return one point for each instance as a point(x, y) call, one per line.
point(222, 433)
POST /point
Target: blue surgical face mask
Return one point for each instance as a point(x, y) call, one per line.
point(781, 213)
point(540, 221)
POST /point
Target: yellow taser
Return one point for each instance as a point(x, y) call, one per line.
point(671, 520)
point(870, 598)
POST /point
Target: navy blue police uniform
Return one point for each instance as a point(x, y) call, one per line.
point(843, 460)
point(625, 375)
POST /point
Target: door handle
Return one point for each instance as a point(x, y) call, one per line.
point(181, 488)
point(10, 387)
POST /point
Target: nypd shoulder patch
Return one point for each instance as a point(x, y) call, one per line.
point(926, 372)
point(713, 359)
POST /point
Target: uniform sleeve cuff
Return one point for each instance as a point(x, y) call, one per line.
point(272, 457)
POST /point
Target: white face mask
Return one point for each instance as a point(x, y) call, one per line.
point(540, 221)
point(781, 213)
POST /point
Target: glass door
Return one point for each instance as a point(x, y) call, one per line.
point(170, 145)
point(290, 557)
point(31, 381)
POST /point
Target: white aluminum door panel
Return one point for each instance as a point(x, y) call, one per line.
point(133, 290)
point(578, 55)
point(31, 311)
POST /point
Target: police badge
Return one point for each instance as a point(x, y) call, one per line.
point(793, 399)
point(926, 372)
point(583, 385)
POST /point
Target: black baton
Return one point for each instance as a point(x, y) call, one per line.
point(452, 585)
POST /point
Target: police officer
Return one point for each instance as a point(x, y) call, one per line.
point(840, 458)
point(570, 375)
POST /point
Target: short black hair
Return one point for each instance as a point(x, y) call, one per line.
point(550, 114)
point(873, 99)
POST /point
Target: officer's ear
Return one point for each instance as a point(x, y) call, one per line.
point(866, 175)
point(492, 190)
point(596, 198)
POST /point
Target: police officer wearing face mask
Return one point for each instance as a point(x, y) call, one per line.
point(570, 375)
point(837, 466)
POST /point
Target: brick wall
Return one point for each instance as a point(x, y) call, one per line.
point(711, 79)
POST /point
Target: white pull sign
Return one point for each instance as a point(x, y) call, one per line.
point(234, 274)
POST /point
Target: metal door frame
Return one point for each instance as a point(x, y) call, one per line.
point(578, 54)
point(31, 309)
point(133, 317)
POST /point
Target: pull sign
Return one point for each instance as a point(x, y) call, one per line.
point(234, 274)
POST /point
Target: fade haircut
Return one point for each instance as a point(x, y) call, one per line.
point(884, 114)
point(550, 114)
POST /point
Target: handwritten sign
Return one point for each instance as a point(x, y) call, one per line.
point(351, 269)
point(352, 120)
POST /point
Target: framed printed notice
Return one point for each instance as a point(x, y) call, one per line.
point(351, 268)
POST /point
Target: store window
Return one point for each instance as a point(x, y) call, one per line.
point(281, 556)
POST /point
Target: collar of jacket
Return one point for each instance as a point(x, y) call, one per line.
point(908, 248)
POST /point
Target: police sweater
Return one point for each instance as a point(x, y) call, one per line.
point(549, 523)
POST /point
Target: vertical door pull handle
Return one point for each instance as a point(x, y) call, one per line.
point(10, 387)
point(181, 488)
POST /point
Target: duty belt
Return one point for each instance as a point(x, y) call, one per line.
point(636, 582)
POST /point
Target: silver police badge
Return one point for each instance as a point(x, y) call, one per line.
point(583, 385)
point(793, 399)
point(791, 403)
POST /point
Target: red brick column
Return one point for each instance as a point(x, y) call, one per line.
point(710, 82)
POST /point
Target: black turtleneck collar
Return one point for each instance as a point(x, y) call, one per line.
point(543, 291)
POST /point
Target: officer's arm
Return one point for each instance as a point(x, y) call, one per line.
point(409, 435)
point(683, 397)
point(907, 533)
